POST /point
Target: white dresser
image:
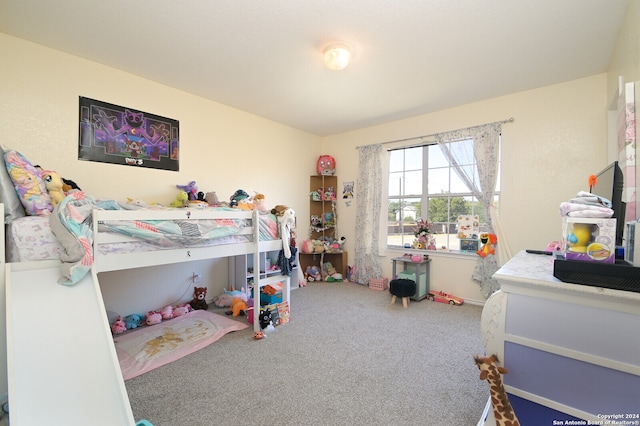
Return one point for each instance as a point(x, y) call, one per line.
point(572, 351)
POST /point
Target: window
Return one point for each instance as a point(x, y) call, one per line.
point(422, 184)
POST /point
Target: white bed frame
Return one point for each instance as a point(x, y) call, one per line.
point(62, 366)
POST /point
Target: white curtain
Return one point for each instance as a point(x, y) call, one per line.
point(486, 144)
point(369, 189)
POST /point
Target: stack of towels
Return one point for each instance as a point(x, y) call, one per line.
point(586, 204)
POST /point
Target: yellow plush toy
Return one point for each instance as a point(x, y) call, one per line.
point(54, 184)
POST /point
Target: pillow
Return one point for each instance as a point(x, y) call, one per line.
point(28, 183)
point(8, 196)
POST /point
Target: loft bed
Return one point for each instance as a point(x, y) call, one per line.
point(60, 354)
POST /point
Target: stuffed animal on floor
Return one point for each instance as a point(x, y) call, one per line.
point(199, 296)
point(152, 318)
point(181, 310)
point(238, 307)
point(227, 297)
point(133, 321)
point(265, 318)
point(118, 326)
point(167, 312)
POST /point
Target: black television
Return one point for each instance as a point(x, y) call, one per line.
point(609, 185)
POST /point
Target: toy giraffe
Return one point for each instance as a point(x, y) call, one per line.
point(502, 409)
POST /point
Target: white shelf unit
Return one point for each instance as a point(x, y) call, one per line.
point(242, 271)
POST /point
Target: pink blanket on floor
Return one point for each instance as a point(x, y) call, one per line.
point(150, 347)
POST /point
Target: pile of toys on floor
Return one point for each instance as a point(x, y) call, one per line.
point(132, 321)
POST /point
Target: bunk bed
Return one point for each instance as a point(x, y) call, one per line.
point(61, 359)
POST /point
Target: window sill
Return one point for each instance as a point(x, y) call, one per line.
point(394, 251)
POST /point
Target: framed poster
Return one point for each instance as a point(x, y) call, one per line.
point(119, 135)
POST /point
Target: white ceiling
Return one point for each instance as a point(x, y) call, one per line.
point(265, 56)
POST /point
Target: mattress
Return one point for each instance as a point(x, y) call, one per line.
point(30, 238)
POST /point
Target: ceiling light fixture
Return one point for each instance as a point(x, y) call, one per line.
point(337, 56)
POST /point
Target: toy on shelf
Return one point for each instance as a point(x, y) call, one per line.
point(442, 297)
point(199, 296)
point(326, 165)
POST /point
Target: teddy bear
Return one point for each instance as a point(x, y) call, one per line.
point(199, 296)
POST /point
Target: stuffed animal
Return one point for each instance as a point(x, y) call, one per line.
point(133, 321)
point(53, 182)
point(265, 317)
point(118, 326)
point(227, 297)
point(191, 189)
point(199, 296)
point(259, 203)
point(279, 210)
point(167, 312)
point(488, 241)
point(326, 165)
point(181, 310)
point(313, 273)
point(238, 307)
point(182, 200)
point(212, 199)
point(237, 197)
point(152, 318)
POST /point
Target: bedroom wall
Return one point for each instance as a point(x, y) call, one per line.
point(223, 149)
point(557, 139)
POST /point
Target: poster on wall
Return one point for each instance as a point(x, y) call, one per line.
point(119, 135)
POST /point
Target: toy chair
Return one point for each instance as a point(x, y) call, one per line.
point(402, 288)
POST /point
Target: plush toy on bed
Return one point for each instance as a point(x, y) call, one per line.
point(182, 200)
point(53, 182)
point(191, 189)
point(199, 296)
point(167, 312)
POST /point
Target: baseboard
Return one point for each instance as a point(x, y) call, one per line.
point(475, 302)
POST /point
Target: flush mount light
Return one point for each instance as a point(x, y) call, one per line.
point(337, 56)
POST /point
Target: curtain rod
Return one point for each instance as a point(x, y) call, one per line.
point(509, 120)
